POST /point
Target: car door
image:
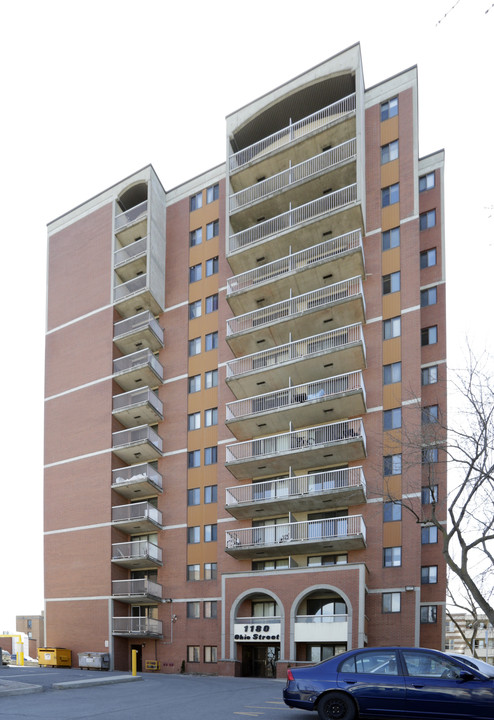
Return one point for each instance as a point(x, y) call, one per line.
point(435, 688)
point(374, 679)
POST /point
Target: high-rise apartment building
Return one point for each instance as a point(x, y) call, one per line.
point(234, 369)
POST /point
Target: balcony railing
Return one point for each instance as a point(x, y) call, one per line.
point(136, 511)
point(138, 587)
point(133, 398)
point(293, 396)
point(321, 619)
point(138, 626)
point(296, 350)
point(294, 487)
point(129, 252)
point(136, 550)
point(285, 309)
point(137, 474)
point(302, 171)
point(131, 216)
point(293, 218)
point(305, 531)
point(304, 259)
point(134, 436)
point(293, 132)
point(130, 287)
point(319, 435)
point(138, 322)
point(136, 360)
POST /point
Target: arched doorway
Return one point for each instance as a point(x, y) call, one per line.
point(257, 629)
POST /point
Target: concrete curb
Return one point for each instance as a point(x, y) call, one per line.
point(95, 681)
point(9, 687)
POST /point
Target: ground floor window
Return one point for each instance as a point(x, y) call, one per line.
point(318, 653)
point(193, 653)
point(210, 654)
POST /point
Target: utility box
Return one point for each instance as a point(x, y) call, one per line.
point(94, 660)
point(151, 665)
point(55, 657)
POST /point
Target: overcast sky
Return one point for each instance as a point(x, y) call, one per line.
point(94, 91)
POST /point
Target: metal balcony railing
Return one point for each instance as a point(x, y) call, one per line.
point(136, 549)
point(137, 626)
point(293, 132)
point(136, 360)
point(137, 473)
point(133, 324)
point(136, 511)
point(133, 436)
point(304, 170)
point(326, 250)
point(130, 399)
point(137, 587)
point(292, 218)
point(296, 532)
point(296, 350)
point(130, 287)
point(295, 486)
point(321, 618)
point(285, 309)
point(296, 440)
point(129, 252)
point(128, 217)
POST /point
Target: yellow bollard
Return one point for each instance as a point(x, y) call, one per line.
point(21, 658)
point(134, 662)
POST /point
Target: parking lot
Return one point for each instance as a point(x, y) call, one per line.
point(175, 697)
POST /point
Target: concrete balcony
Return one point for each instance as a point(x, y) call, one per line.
point(139, 444)
point(341, 396)
point(321, 628)
point(340, 304)
point(299, 361)
point(131, 260)
point(139, 591)
point(136, 407)
point(338, 534)
point(137, 481)
point(138, 332)
point(317, 446)
point(132, 223)
point(137, 627)
point(138, 369)
point(305, 493)
point(338, 258)
point(137, 518)
point(133, 296)
point(137, 554)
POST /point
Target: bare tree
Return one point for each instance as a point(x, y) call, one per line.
point(469, 622)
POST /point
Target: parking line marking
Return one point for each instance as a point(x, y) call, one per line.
point(248, 713)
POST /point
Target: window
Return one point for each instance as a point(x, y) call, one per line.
point(210, 533)
point(392, 464)
point(270, 564)
point(196, 201)
point(392, 557)
point(428, 575)
point(193, 610)
point(210, 494)
point(195, 273)
point(210, 654)
point(389, 109)
point(212, 229)
point(428, 335)
point(426, 182)
point(391, 283)
point(194, 421)
point(429, 375)
point(392, 328)
point(193, 653)
point(320, 560)
point(392, 419)
point(428, 297)
point(194, 535)
point(392, 602)
point(211, 341)
point(377, 661)
point(429, 455)
point(430, 414)
point(210, 572)
point(389, 152)
point(194, 383)
point(391, 238)
point(211, 303)
point(429, 535)
point(195, 309)
point(210, 417)
point(194, 496)
point(195, 237)
point(428, 614)
point(391, 511)
point(392, 373)
point(427, 220)
point(194, 458)
point(428, 258)
point(211, 266)
point(210, 455)
point(212, 193)
point(390, 195)
point(194, 346)
point(211, 379)
point(193, 573)
point(210, 608)
point(429, 494)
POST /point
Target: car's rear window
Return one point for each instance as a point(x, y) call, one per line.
point(380, 662)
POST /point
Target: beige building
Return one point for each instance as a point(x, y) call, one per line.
point(459, 634)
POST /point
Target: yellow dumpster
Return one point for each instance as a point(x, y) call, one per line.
point(54, 657)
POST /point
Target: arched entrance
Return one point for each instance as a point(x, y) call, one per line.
point(257, 630)
point(321, 626)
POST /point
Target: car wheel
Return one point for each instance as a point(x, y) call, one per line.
point(336, 706)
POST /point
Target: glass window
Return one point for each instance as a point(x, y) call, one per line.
point(194, 346)
point(426, 182)
point(193, 610)
point(193, 653)
point(194, 535)
point(391, 238)
point(392, 328)
point(211, 303)
point(194, 496)
point(429, 455)
point(392, 464)
point(429, 375)
point(428, 614)
point(194, 421)
point(210, 455)
point(211, 379)
point(195, 309)
point(389, 152)
point(196, 201)
point(210, 494)
point(391, 283)
point(195, 237)
point(210, 417)
point(392, 602)
point(429, 494)
point(212, 229)
point(270, 564)
point(427, 220)
point(377, 662)
point(392, 373)
point(212, 193)
point(429, 535)
point(392, 557)
point(392, 419)
point(194, 383)
point(193, 572)
point(428, 335)
point(428, 258)
point(210, 608)
point(210, 571)
point(211, 341)
point(428, 575)
point(194, 458)
point(195, 273)
point(390, 195)
point(430, 414)
point(428, 297)
point(389, 109)
point(212, 266)
point(210, 654)
point(210, 533)
point(391, 511)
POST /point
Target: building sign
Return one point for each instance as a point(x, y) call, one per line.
point(257, 633)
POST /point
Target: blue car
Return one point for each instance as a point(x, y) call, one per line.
point(395, 682)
